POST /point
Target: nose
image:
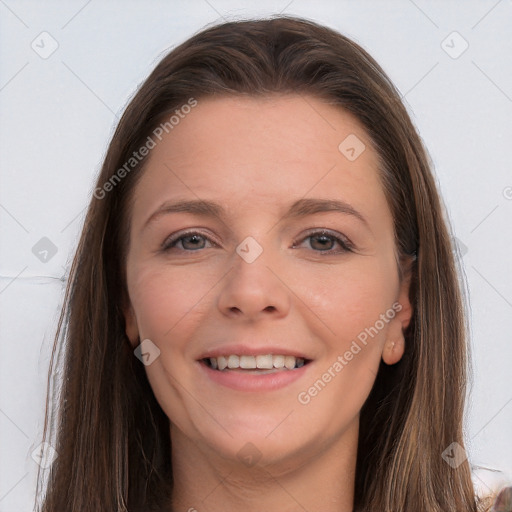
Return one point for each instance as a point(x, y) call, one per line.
point(254, 290)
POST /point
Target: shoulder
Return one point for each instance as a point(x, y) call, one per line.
point(503, 502)
point(493, 488)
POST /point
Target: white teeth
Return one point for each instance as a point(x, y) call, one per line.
point(247, 362)
point(233, 362)
point(278, 361)
point(260, 362)
point(222, 362)
point(264, 362)
point(289, 362)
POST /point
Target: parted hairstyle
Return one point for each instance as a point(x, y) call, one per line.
point(111, 435)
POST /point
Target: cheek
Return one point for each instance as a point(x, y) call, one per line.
point(167, 299)
point(168, 304)
point(349, 299)
point(350, 306)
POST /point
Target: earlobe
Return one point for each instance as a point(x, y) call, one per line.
point(393, 350)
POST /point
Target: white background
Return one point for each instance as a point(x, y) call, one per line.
point(58, 113)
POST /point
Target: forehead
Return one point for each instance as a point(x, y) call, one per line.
point(262, 152)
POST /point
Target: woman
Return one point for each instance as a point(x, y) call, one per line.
point(263, 312)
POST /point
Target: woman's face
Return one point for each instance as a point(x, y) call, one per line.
point(294, 257)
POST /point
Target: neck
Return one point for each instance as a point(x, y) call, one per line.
point(324, 480)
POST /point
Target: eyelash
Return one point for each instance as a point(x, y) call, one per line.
point(346, 245)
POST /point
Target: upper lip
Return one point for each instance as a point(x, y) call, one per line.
point(251, 350)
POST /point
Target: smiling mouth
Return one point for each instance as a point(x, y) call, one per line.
point(268, 363)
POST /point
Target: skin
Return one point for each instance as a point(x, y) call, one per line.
point(255, 156)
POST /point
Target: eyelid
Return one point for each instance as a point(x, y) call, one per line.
point(343, 240)
point(175, 237)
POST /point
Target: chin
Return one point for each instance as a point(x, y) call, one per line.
point(262, 442)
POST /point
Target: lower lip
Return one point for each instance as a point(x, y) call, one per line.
point(252, 381)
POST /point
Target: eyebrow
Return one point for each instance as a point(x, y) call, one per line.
point(298, 209)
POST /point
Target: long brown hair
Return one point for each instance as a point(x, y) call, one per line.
point(112, 437)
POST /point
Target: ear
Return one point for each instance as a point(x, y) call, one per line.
point(131, 327)
point(407, 310)
point(394, 346)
